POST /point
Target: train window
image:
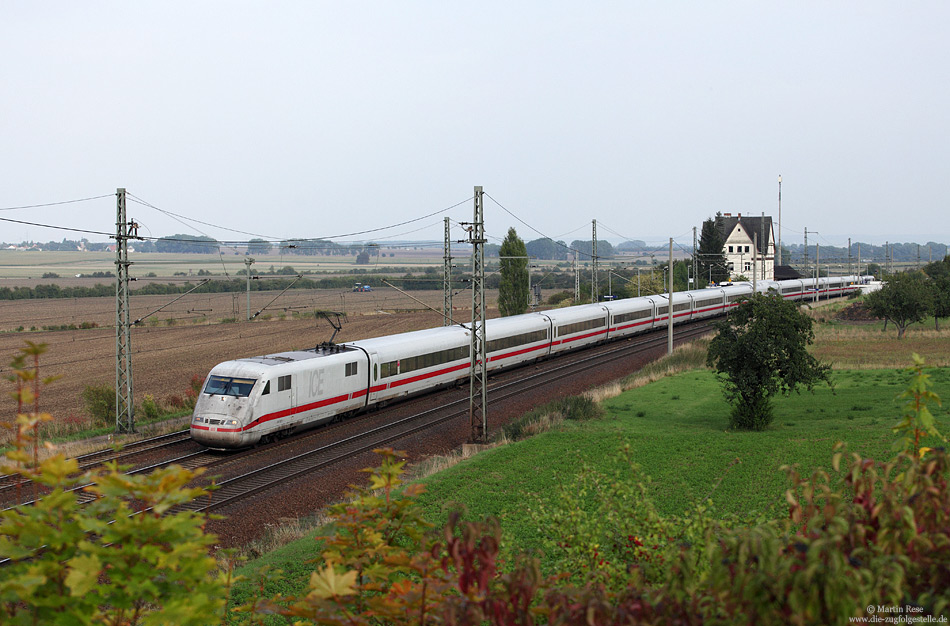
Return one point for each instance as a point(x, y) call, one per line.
point(351, 368)
point(229, 386)
point(708, 302)
point(266, 389)
point(422, 361)
point(633, 315)
point(577, 327)
point(661, 310)
point(517, 340)
point(283, 383)
point(375, 372)
point(682, 306)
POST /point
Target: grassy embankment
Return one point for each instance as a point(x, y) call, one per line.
point(677, 429)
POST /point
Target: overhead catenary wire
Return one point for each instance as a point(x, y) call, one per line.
point(299, 276)
point(204, 282)
point(46, 204)
point(66, 228)
point(297, 239)
point(506, 210)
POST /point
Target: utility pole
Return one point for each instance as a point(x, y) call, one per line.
point(577, 280)
point(478, 381)
point(806, 252)
point(755, 255)
point(695, 262)
point(124, 403)
point(247, 265)
point(669, 310)
point(765, 244)
point(817, 272)
point(593, 270)
point(887, 269)
point(778, 245)
point(849, 256)
point(859, 261)
point(447, 278)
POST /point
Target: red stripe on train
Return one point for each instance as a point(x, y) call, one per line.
point(294, 410)
point(518, 352)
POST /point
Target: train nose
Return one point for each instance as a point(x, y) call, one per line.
point(216, 431)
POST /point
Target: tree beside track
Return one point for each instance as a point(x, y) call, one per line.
point(760, 351)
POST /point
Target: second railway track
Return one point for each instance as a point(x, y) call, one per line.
point(259, 480)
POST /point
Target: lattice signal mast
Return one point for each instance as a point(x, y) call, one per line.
point(447, 278)
point(478, 382)
point(124, 403)
point(593, 264)
point(577, 281)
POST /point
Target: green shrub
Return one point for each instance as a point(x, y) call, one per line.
point(541, 418)
point(100, 562)
point(579, 408)
point(150, 408)
point(99, 401)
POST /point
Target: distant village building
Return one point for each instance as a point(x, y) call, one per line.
point(740, 233)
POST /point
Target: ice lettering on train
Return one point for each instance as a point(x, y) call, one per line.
point(316, 383)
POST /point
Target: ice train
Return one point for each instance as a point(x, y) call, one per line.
point(254, 400)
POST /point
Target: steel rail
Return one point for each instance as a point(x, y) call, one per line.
point(261, 479)
point(9, 482)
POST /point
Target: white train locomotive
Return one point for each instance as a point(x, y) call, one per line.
point(257, 399)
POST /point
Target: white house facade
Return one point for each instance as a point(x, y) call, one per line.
point(741, 256)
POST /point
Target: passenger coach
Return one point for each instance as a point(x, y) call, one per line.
point(257, 399)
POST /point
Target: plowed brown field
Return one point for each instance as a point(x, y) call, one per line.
point(165, 357)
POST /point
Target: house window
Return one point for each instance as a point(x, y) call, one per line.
point(748, 266)
point(747, 248)
point(730, 248)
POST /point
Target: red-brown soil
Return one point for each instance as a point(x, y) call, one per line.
point(165, 357)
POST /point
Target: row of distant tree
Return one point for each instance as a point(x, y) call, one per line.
point(899, 252)
point(544, 249)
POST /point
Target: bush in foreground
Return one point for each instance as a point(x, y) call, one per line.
point(879, 535)
point(122, 558)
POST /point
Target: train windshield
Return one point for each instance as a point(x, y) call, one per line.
point(228, 386)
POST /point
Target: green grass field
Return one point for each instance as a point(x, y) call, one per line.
point(677, 430)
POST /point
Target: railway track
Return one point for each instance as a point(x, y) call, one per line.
point(259, 480)
point(248, 484)
point(191, 460)
point(9, 483)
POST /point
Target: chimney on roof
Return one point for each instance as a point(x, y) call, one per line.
point(727, 214)
point(740, 216)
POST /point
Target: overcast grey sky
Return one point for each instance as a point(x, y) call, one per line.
point(312, 119)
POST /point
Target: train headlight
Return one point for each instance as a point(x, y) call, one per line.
point(232, 422)
point(198, 420)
